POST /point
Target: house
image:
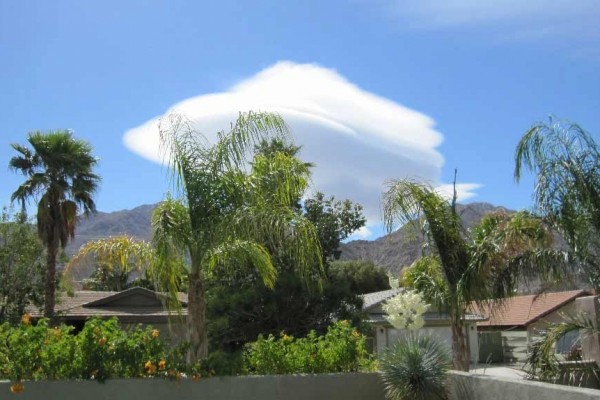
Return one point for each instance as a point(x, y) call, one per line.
point(436, 323)
point(132, 307)
point(517, 322)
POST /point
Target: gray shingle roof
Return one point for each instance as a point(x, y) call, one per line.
point(371, 300)
point(125, 305)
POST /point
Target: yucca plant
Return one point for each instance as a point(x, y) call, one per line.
point(415, 368)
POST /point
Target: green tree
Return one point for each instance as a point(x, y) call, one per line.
point(481, 267)
point(565, 161)
point(241, 307)
point(359, 276)
point(21, 267)
point(58, 170)
point(227, 214)
point(116, 260)
point(335, 221)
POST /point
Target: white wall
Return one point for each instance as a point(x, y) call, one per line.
point(386, 336)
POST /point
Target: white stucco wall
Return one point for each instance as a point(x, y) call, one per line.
point(386, 336)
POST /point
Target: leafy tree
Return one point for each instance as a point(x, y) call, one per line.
point(241, 307)
point(227, 214)
point(565, 161)
point(21, 267)
point(359, 276)
point(335, 221)
point(483, 266)
point(117, 259)
point(58, 170)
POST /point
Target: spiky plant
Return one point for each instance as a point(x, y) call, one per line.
point(415, 368)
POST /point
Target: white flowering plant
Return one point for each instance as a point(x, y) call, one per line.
point(405, 311)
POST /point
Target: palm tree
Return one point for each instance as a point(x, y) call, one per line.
point(543, 362)
point(462, 267)
point(115, 257)
point(566, 163)
point(230, 212)
point(58, 170)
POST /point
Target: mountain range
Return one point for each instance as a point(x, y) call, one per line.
point(401, 248)
point(393, 252)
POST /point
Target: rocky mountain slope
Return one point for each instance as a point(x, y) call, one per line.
point(135, 223)
point(400, 248)
point(392, 251)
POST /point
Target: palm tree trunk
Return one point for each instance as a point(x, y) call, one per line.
point(460, 351)
point(50, 282)
point(196, 320)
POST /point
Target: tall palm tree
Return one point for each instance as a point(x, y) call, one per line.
point(565, 161)
point(59, 171)
point(466, 267)
point(231, 210)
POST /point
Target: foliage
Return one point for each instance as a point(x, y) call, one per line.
point(229, 218)
point(415, 368)
point(240, 307)
point(335, 220)
point(425, 275)
point(405, 311)
point(543, 361)
point(565, 161)
point(480, 267)
point(21, 267)
point(359, 276)
point(100, 351)
point(59, 170)
point(116, 259)
point(341, 349)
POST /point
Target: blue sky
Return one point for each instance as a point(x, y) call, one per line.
point(373, 89)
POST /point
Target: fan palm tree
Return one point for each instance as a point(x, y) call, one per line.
point(462, 267)
point(231, 210)
point(59, 170)
point(565, 161)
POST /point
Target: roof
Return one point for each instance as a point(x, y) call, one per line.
point(134, 304)
point(523, 310)
point(371, 300)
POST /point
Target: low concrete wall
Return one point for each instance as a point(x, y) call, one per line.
point(465, 386)
point(357, 386)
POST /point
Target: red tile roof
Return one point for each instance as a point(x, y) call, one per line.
point(523, 310)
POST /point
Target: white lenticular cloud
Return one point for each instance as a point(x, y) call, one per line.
point(356, 139)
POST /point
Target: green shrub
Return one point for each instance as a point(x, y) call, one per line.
point(101, 350)
point(415, 368)
point(341, 349)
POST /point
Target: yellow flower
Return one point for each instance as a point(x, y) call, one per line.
point(17, 387)
point(149, 367)
point(355, 333)
point(26, 319)
point(155, 333)
point(162, 364)
point(285, 337)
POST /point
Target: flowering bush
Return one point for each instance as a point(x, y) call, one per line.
point(101, 350)
point(341, 349)
point(405, 311)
